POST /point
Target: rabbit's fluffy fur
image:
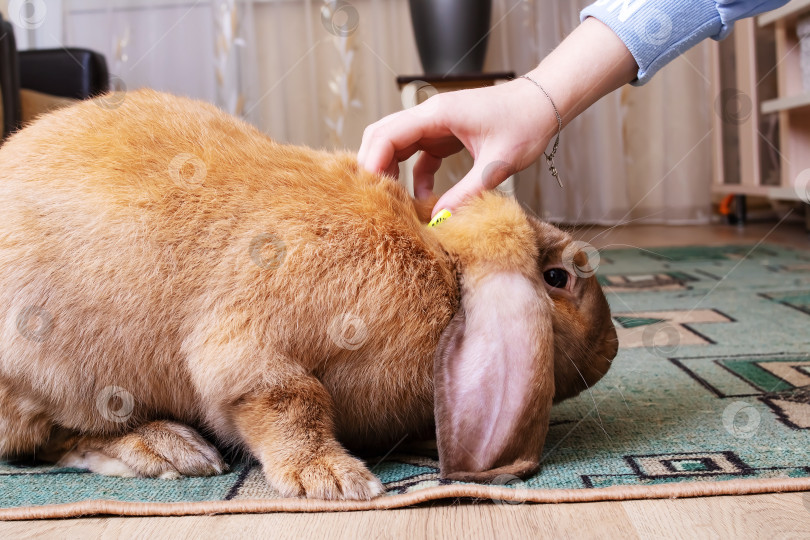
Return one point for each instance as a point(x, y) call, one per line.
point(165, 265)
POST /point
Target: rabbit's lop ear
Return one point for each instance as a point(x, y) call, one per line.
point(494, 375)
point(494, 380)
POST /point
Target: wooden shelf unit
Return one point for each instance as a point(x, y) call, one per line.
point(788, 103)
point(764, 152)
point(792, 104)
point(787, 12)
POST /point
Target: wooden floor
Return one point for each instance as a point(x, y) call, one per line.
point(789, 233)
point(784, 515)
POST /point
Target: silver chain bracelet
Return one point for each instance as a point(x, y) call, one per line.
point(550, 157)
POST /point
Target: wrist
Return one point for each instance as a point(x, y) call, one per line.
point(538, 112)
point(590, 63)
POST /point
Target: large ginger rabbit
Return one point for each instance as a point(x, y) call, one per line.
point(164, 265)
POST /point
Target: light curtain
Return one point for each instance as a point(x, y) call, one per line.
point(641, 154)
point(317, 72)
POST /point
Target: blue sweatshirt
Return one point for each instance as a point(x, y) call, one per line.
point(657, 31)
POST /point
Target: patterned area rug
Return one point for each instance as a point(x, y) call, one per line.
point(710, 394)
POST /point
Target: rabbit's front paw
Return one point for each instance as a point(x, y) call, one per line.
point(159, 449)
point(334, 475)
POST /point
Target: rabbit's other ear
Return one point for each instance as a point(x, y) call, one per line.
point(494, 378)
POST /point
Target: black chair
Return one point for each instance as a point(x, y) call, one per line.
point(69, 73)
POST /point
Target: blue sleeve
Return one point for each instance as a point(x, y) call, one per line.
point(657, 31)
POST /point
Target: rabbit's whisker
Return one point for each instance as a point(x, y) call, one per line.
point(582, 206)
point(548, 453)
point(638, 248)
point(622, 224)
point(629, 309)
point(590, 393)
point(617, 387)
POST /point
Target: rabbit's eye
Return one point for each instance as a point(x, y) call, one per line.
point(556, 277)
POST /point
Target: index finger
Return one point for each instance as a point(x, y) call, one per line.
point(397, 137)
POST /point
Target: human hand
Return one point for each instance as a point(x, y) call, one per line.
point(505, 128)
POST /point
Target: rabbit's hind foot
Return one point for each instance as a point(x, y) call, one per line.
point(160, 449)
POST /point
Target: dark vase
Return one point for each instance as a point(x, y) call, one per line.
point(451, 35)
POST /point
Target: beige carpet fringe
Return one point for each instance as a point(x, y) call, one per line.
point(509, 495)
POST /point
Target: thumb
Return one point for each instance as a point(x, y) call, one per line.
point(485, 174)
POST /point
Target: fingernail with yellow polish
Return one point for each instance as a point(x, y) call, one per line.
point(442, 215)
